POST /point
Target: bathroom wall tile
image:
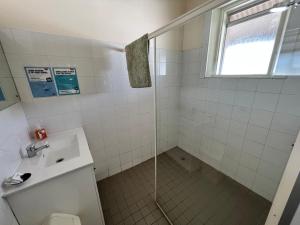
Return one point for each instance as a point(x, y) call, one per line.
point(275, 156)
point(114, 170)
point(270, 171)
point(243, 98)
point(229, 166)
point(237, 127)
point(270, 85)
point(166, 55)
point(265, 187)
point(249, 161)
point(229, 84)
point(214, 83)
point(84, 66)
point(226, 96)
point(79, 47)
point(241, 113)
point(246, 84)
point(291, 86)
point(224, 110)
point(280, 140)
point(59, 60)
point(257, 134)
point(217, 150)
point(220, 135)
point(289, 104)
point(261, 118)
point(211, 108)
point(235, 141)
point(286, 123)
point(212, 95)
point(266, 101)
point(222, 123)
point(245, 176)
point(232, 153)
point(56, 45)
point(253, 148)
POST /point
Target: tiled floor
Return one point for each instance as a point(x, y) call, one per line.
point(127, 198)
point(196, 197)
point(205, 196)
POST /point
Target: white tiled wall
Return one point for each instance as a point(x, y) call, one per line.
point(243, 127)
point(13, 135)
point(167, 96)
point(118, 120)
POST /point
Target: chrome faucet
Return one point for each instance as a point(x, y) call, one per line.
point(32, 149)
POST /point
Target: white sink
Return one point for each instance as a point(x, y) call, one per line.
point(67, 151)
point(62, 180)
point(61, 150)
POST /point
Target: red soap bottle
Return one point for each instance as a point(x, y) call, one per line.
point(40, 134)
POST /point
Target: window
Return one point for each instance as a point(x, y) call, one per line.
point(289, 57)
point(249, 38)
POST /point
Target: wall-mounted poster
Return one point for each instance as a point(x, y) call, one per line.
point(66, 80)
point(2, 98)
point(41, 81)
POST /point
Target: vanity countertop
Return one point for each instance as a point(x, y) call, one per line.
point(71, 145)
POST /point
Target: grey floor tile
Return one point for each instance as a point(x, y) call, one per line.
point(149, 219)
point(206, 196)
point(141, 222)
point(197, 197)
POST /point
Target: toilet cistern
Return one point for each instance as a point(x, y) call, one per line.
point(33, 149)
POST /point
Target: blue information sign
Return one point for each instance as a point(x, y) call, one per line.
point(41, 81)
point(2, 98)
point(66, 80)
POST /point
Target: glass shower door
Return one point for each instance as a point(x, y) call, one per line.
point(208, 170)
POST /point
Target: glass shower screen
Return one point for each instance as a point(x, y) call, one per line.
point(202, 175)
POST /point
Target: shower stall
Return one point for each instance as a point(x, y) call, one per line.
point(225, 127)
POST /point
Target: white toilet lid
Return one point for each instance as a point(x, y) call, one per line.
point(62, 219)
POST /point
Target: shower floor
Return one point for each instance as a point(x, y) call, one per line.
point(205, 196)
point(193, 197)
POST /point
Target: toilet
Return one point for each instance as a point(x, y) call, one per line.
point(62, 219)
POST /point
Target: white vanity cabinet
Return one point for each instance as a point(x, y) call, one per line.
point(73, 193)
point(66, 187)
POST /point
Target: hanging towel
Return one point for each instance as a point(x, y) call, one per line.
point(137, 63)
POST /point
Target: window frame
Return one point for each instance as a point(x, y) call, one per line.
point(221, 21)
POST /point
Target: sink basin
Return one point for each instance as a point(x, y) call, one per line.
point(62, 180)
point(68, 151)
point(61, 150)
